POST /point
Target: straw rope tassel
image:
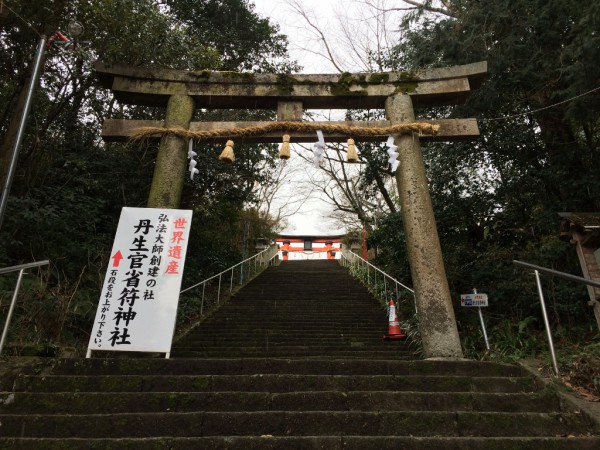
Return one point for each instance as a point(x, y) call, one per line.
point(284, 151)
point(227, 154)
point(351, 154)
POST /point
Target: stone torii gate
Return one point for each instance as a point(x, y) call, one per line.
point(399, 93)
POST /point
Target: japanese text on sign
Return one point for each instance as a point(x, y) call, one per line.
point(138, 304)
point(474, 300)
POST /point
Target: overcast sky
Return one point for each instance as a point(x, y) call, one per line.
point(294, 28)
point(313, 218)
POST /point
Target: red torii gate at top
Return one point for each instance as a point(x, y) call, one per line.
point(399, 93)
point(329, 248)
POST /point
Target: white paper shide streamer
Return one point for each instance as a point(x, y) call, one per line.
point(392, 153)
point(193, 163)
point(319, 149)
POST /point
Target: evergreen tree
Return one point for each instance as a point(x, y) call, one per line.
point(70, 186)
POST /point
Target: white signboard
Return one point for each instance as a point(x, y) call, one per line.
point(474, 300)
point(138, 304)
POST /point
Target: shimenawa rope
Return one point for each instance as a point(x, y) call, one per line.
point(356, 131)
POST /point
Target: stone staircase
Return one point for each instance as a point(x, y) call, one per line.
point(299, 309)
point(294, 361)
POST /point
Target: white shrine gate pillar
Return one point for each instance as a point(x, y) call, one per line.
point(437, 324)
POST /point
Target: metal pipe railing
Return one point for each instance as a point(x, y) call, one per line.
point(555, 273)
point(261, 260)
point(353, 261)
point(14, 156)
point(21, 268)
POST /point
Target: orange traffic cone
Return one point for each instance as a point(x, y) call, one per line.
point(394, 331)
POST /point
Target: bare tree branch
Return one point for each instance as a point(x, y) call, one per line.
point(426, 6)
point(356, 41)
point(299, 9)
point(278, 202)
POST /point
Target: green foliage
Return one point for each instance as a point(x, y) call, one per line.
point(69, 187)
point(390, 241)
point(496, 199)
point(244, 40)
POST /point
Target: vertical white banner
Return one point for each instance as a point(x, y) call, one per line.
point(138, 304)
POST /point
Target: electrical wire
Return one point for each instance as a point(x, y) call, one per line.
point(542, 109)
point(4, 5)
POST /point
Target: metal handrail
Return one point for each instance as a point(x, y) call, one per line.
point(556, 273)
point(21, 268)
point(247, 269)
point(349, 258)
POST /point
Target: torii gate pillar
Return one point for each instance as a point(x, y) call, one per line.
point(171, 162)
point(437, 324)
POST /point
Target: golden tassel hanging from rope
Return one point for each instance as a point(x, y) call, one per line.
point(227, 154)
point(284, 151)
point(351, 154)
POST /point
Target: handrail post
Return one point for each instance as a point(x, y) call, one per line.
point(219, 290)
point(385, 286)
point(485, 336)
point(548, 333)
point(375, 277)
point(11, 309)
point(21, 268)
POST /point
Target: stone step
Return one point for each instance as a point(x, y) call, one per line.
point(140, 402)
point(271, 383)
point(275, 353)
point(300, 295)
point(304, 299)
point(275, 314)
point(375, 342)
point(269, 442)
point(252, 366)
point(285, 347)
point(291, 339)
point(271, 343)
point(296, 337)
point(298, 423)
point(322, 317)
point(283, 329)
point(311, 291)
point(327, 323)
point(279, 352)
point(285, 326)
